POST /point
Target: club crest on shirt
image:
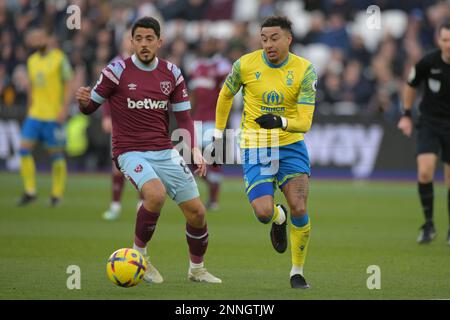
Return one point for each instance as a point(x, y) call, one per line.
point(166, 87)
point(290, 78)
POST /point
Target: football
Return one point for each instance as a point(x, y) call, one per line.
point(126, 267)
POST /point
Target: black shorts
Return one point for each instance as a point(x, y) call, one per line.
point(434, 137)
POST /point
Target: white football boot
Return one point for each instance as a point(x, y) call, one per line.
point(113, 213)
point(202, 275)
point(152, 275)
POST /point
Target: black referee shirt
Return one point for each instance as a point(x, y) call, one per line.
point(435, 74)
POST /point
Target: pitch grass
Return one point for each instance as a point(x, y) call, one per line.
point(354, 225)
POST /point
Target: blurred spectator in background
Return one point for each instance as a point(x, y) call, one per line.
point(267, 8)
point(386, 99)
point(183, 9)
point(219, 10)
point(355, 88)
point(206, 77)
point(358, 51)
point(330, 89)
point(335, 34)
point(316, 29)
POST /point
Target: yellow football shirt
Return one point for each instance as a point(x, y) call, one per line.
point(287, 90)
point(48, 74)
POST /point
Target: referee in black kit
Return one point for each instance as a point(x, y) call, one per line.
point(433, 125)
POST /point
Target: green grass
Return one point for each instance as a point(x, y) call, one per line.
point(354, 225)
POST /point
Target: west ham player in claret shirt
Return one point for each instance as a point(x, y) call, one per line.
point(141, 90)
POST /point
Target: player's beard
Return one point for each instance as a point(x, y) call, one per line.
point(148, 60)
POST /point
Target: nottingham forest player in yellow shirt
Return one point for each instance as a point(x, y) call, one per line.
point(279, 90)
point(49, 74)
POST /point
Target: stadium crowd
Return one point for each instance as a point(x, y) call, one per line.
point(360, 67)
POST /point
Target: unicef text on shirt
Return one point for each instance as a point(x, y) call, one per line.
point(147, 104)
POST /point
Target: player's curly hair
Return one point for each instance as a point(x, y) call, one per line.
point(278, 21)
point(147, 23)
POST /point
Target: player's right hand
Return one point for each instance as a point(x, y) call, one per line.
point(83, 96)
point(199, 161)
point(405, 125)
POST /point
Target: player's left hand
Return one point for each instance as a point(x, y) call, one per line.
point(269, 121)
point(199, 161)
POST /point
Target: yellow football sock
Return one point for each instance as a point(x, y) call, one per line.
point(299, 244)
point(59, 174)
point(275, 215)
point(28, 173)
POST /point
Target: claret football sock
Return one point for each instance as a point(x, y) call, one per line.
point(118, 181)
point(145, 226)
point(197, 239)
